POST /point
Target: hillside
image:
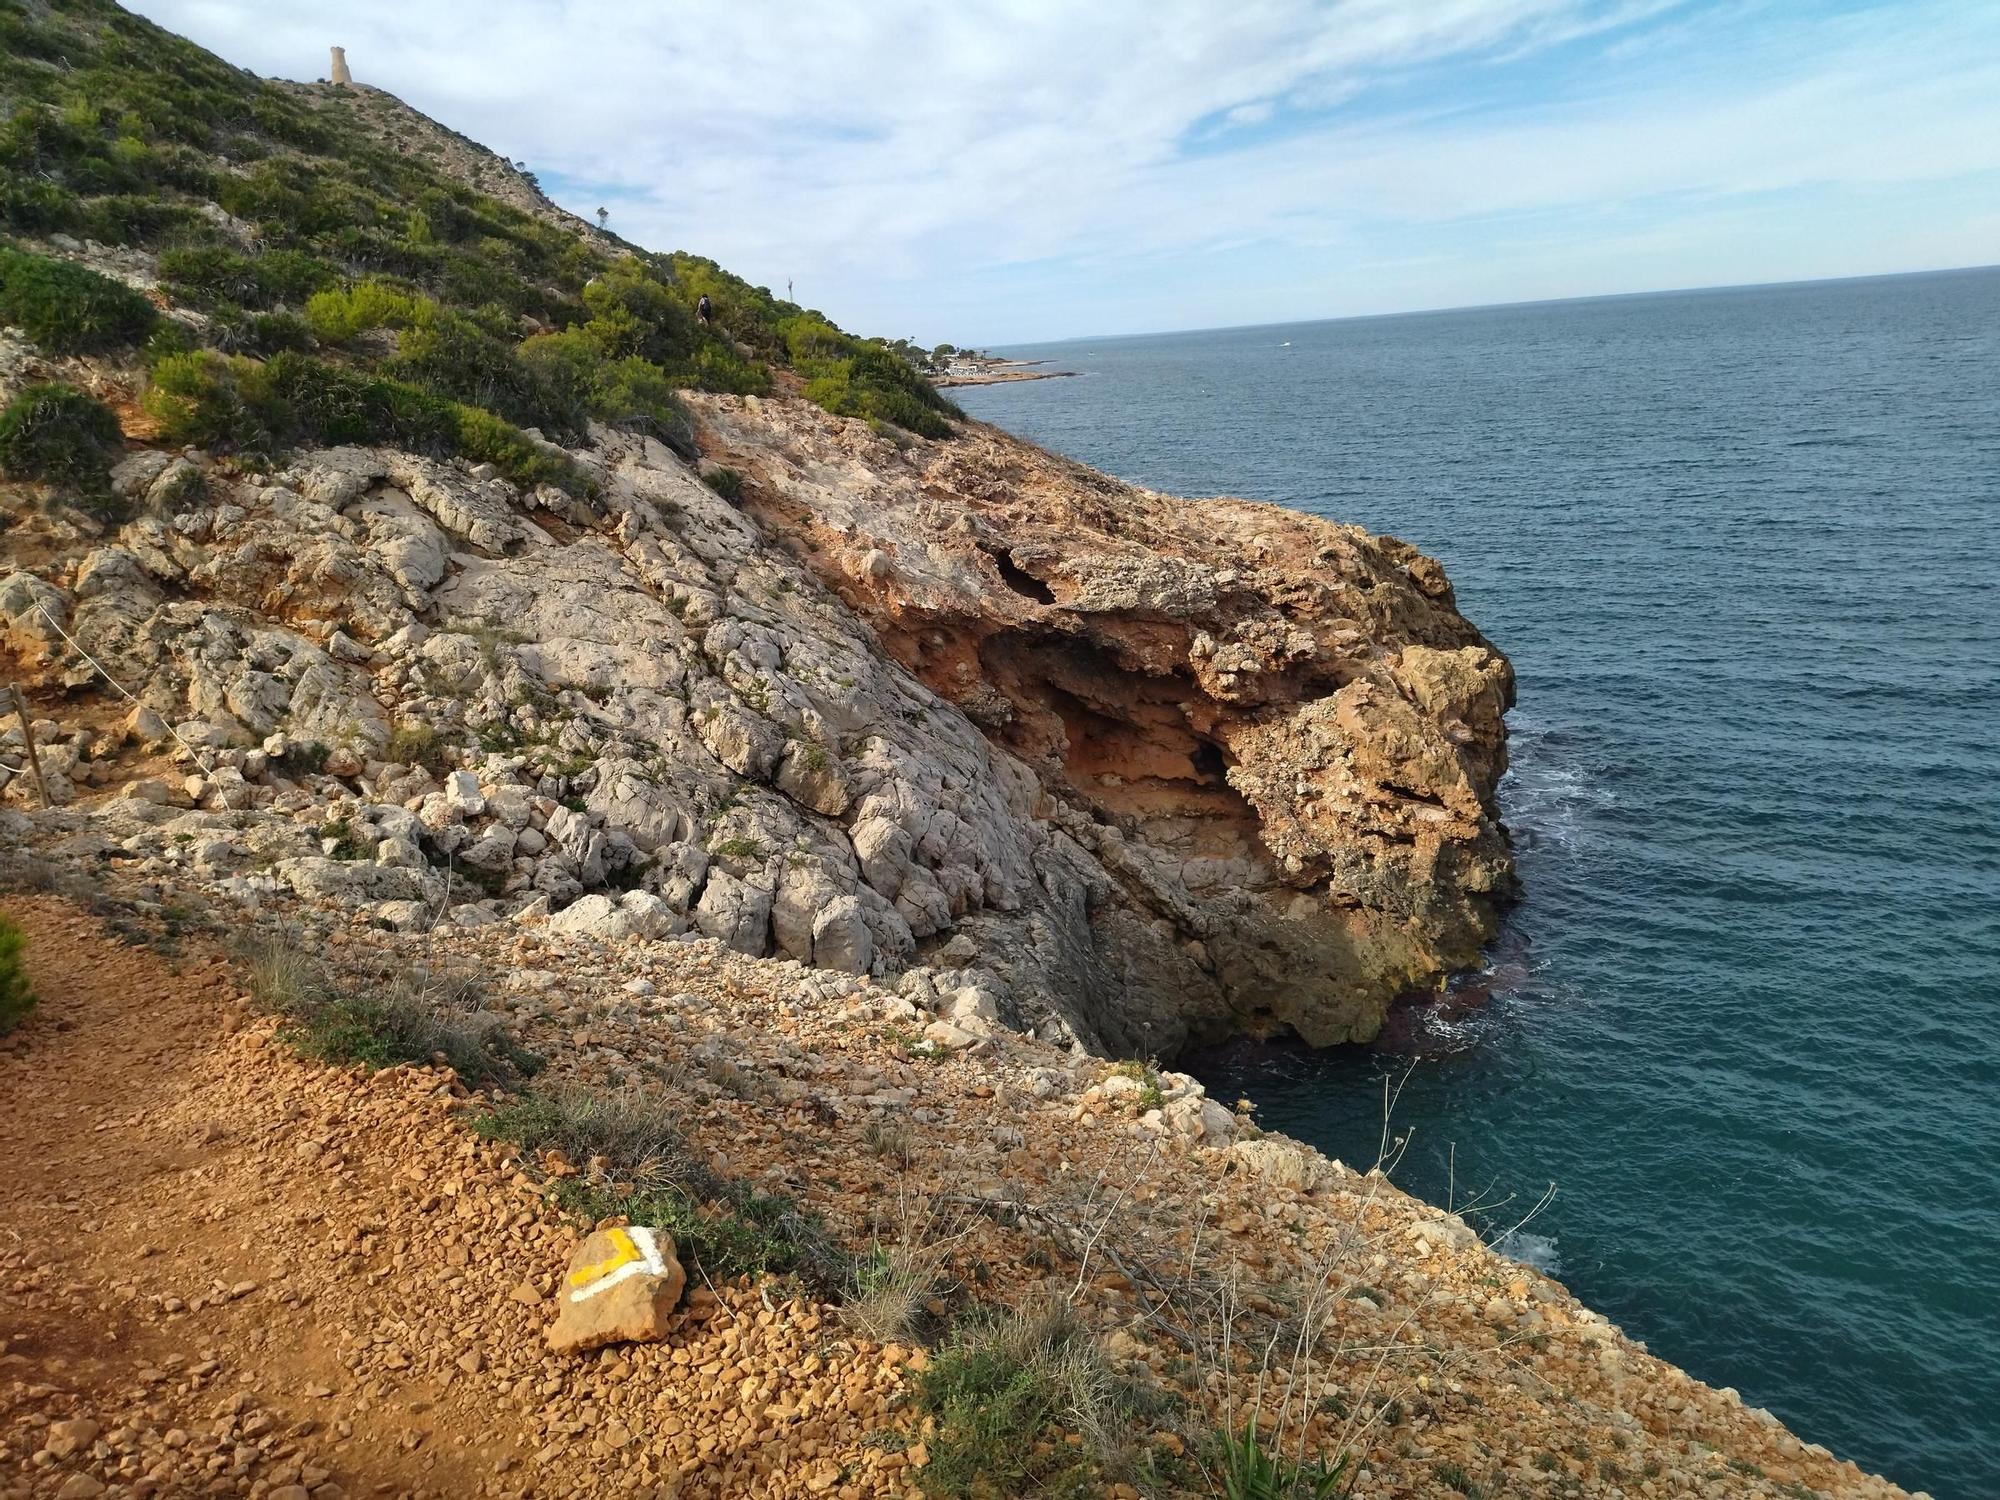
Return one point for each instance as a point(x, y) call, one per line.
point(512, 761)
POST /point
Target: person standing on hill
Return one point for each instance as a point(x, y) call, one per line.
point(704, 311)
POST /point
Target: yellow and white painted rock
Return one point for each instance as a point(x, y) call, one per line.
point(622, 1287)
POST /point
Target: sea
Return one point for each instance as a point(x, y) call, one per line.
point(1732, 1072)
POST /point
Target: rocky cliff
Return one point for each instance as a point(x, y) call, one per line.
point(507, 764)
point(1129, 767)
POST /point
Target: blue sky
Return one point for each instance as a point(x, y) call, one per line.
point(1034, 170)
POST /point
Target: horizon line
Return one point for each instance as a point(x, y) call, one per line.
point(1464, 307)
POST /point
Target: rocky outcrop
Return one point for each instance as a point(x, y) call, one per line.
point(1139, 770)
point(1266, 745)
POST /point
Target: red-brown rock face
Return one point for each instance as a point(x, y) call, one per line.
point(1277, 734)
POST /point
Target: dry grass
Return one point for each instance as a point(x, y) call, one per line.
point(632, 1136)
point(421, 1017)
point(889, 1139)
point(896, 1285)
point(1005, 1394)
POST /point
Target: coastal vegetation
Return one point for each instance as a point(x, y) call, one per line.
point(55, 434)
point(67, 308)
point(331, 289)
point(16, 996)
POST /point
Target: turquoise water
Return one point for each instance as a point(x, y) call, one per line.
point(1744, 550)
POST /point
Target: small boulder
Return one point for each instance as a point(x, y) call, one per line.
point(72, 1437)
point(461, 790)
point(949, 1038)
point(1283, 1164)
point(593, 917)
point(622, 1288)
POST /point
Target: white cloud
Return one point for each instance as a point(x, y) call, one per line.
point(891, 156)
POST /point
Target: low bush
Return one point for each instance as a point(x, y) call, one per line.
point(635, 1133)
point(69, 309)
point(342, 313)
point(640, 398)
point(417, 1018)
point(1005, 1393)
point(58, 435)
point(30, 205)
point(726, 482)
point(133, 219)
point(207, 275)
point(419, 745)
point(231, 402)
point(305, 758)
point(16, 998)
point(876, 384)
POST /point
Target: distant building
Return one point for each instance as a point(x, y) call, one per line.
point(340, 73)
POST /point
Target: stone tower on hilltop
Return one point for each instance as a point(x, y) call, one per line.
point(339, 73)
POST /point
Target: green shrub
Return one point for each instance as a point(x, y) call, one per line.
point(717, 367)
point(230, 402)
point(633, 312)
point(289, 275)
point(16, 998)
point(30, 205)
point(726, 482)
point(270, 333)
point(484, 438)
point(58, 435)
point(419, 745)
point(1250, 1471)
point(209, 274)
point(417, 1018)
point(340, 313)
point(69, 309)
point(639, 397)
point(568, 367)
point(134, 219)
point(198, 397)
point(1009, 1385)
point(876, 384)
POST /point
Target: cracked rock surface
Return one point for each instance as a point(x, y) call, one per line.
point(1158, 769)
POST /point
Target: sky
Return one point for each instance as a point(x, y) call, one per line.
point(993, 172)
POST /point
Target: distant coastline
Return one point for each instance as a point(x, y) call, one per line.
point(979, 369)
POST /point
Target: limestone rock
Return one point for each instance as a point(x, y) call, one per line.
point(593, 917)
point(735, 912)
point(1282, 1163)
point(622, 1287)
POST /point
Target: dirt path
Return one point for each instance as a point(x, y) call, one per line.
point(138, 1296)
point(226, 1271)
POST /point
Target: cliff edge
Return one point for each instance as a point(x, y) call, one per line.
point(522, 790)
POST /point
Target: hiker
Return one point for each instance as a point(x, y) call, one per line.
point(703, 311)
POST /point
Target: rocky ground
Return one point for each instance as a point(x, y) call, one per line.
point(226, 1270)
point(1171, 769)
point(867, 808)
point(866, 817)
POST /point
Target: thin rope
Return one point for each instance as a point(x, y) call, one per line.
point(201, 758)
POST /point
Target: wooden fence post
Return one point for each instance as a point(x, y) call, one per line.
point(28, 739)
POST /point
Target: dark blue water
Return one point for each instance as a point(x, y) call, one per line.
point(1744, 550)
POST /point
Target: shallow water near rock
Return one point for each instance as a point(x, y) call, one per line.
point(1742, 548)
